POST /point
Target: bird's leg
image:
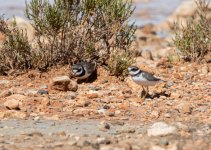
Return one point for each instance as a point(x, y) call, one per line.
point(147, 91)
point(144, 92)
point(143, 95)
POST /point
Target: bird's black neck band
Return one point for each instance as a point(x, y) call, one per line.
point(82, 74)
point(136, 73)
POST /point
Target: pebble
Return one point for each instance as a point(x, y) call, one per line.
point(5, 93)
point(104, 126)
point(175, 95)
point(106, 147)
point(43, 86)
point(116, 147)
point(160, 129)
point(84, 111)
point(104, 81)
point(142, 131)
point(95, 88)
point(92, 96)
point(35, 133)
point(4, 82)
point(103, 140)
point(42, 92)
point(12, 114)
point(167, 115)
point(110, 114)
point(70, 95)
point(102, 111)
point(184, 107)
point(106, 107)
point(206, 130)
point(169, 84)
point(181, 126)
point(71, 143)
point(19, 97)
point(155, 147)
point(86, 103)
point(83, 143)
point(164, 142)
point(126, 129)
point(36, 118)
point(202, 108)
point(183, 68)
point(31, 92)
point(45, 101)
point(60, 83)
point(12, 104)
point(205, 70)
point(73, 86)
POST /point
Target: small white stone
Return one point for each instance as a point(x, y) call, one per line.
point(4, 81)
point(160, 129)
point(155, 147)
point(102, 111)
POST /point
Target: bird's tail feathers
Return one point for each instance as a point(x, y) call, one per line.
point(162, 80)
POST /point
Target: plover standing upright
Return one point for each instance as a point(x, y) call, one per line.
point(143, 78)
point(83, 70)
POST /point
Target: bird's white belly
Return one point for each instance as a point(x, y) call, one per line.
point(142, 81)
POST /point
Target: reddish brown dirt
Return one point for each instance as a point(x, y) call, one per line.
point(185, 100)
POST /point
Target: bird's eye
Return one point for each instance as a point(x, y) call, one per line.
point(133, 69)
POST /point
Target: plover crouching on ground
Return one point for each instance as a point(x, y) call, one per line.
point(143, 78)
point(83, 70)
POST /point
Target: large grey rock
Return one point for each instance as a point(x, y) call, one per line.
point(23, 25)
point(184, 11)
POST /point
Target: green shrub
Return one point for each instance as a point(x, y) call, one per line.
point(81, 30)
point(119, 62)
point(68, 31)
point(16, 51)
point(194, 40)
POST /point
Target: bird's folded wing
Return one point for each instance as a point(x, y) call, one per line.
point(149, 77)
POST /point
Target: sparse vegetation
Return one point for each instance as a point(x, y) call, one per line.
point(16, 52)
point(68, 31)
point(118, 63)
point(194, 40)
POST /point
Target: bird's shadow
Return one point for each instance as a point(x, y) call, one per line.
point(157, 95)
point(90, 79)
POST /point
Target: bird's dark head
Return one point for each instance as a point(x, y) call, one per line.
point(133, 70)
point(77, 70)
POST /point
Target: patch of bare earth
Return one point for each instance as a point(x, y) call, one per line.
point(108, 112)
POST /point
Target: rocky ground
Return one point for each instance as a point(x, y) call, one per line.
point(51, 110)
point(37, 112)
